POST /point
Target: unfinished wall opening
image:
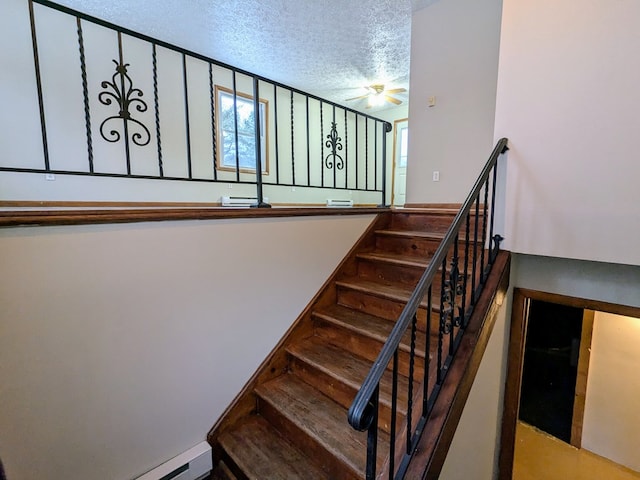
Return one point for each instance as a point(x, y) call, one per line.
point(550, 369)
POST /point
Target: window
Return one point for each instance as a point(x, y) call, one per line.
point(245, 120)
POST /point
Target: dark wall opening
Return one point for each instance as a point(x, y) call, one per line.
point(550, 367)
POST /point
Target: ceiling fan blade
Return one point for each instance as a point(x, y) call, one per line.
point(396, 90)
point(392, 100)
point(357, 98)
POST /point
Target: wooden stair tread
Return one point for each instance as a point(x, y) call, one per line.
point(348, 369)
point(260, 452)
point(368, 325)
point(396, 292)
point(401, 260)
point(322, 419)
point(427, 235)
point(395, 259)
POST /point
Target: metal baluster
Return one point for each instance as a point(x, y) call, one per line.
point(443, 321)
point(394, 411)
point(156, 105)
point(453, 290)
point(475, 254)
point(335, 166)
point(308, 139)
point(492, 256)
point(483, 276)
point(386, 129)
point(412, 358)
point(425, 382)
point(256, 119)
point(186, 114)
point(293, 161)
point(275, 126)
point(366, 153)
point(375, 158)
point(466, 271)
point(213, 122)
point(321, 145)
point(346, 151)
point(357, 141)
point(124, 119)
point(235, 124)
point(85, 94)
point(372, 436)
point(36, 65)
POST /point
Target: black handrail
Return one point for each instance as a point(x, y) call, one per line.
point(363, 412)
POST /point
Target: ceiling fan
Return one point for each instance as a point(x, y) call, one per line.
point(377, 95)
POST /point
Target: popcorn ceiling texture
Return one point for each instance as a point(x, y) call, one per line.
point(331, 48)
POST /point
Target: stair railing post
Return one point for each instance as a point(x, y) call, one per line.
point(256, 118)
point(386, 128)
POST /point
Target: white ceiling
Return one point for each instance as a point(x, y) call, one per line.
point(331, 48)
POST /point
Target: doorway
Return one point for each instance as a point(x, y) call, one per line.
point(550, 368)
point(400, 155)
point(606, 380)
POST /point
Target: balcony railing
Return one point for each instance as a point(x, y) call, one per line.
point(116, 103)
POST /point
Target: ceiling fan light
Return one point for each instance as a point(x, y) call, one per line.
point(376, 100)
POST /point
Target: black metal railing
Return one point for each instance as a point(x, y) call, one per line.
point(439, 308)
point(153, 110)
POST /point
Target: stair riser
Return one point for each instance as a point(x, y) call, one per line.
point(381, 307)
point(338, 391)
point(426, 222)
point(367, 347)
point(413, 247)
point(431, 222)
point(230, 471)
point(321, 456)
point(403, 275)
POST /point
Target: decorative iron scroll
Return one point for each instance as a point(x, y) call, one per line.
point(334, 143)
point(123, 93)
point(453, 287)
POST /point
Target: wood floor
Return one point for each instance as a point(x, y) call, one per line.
point(539, 456)
point(290, 421)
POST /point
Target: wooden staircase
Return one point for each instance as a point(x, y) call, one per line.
point(290, 420)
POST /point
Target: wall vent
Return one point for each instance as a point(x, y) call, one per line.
point(332, 202)
point(241, 202)
point(194, 464)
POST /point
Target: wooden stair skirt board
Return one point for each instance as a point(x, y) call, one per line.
point(290, 420)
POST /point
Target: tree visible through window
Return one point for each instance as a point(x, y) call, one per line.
point(242, 153)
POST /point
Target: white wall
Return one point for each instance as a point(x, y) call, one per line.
point(474, 449)
point(120, 345)
point(611, 417)
point(454, 57)
point(568, 100)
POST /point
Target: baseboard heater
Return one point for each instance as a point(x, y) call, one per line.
point(332, 202)
point(241, 202)
point(194, 464)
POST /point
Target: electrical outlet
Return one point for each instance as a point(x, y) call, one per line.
point(436, 176)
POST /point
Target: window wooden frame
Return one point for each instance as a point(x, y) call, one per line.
point(264, 131)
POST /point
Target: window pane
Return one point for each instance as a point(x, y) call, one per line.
point(245, 121)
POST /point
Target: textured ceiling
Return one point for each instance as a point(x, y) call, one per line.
point(332, 48)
